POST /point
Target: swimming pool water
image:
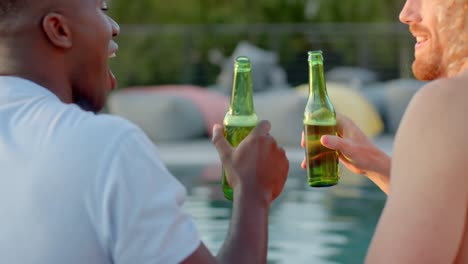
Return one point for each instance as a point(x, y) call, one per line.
point(307, 225)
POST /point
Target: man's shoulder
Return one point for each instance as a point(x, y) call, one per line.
point(457, 85)
point(103, 128)
point(105, 124)
point(93, 138)
point(447, 95)
point(437, 112)
point(72, 125)
point(431, 139)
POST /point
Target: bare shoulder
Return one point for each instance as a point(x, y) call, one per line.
point(443, 100)
point(434, 128)
point(446, 87)
point(426, 210)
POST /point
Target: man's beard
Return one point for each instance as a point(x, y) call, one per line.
point(437, 62)
point(441, 63)
point(429, 68)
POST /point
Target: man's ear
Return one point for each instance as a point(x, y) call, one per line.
point(57, 30)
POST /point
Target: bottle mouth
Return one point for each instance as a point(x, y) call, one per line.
point(315, 55)
point(243, 63)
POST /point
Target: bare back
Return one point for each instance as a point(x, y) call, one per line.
point(462, 84)
point(425, 217)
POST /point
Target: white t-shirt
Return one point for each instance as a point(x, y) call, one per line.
point(76, 187)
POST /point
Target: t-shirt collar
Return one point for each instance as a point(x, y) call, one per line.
point(12, 85)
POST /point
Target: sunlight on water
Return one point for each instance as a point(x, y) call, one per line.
point(307, 225)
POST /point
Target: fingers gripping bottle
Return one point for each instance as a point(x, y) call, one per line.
point(319, 119)
point(241, 117)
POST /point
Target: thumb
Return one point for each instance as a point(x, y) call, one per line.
point(262, 128)
point(333, 142)
point(222, 146)
point(344, 147)
point(340, 144)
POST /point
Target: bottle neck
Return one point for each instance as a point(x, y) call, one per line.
point(317, 83)
point(242, 94)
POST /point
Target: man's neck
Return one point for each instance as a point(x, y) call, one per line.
point(36, 67)
point(55, 85)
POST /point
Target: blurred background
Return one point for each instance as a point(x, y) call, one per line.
point(175, 66)
point(183, 41)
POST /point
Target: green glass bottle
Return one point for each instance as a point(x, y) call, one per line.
point(241, 118)
point(319, 119)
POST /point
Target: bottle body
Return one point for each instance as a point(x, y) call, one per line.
point(322, 163)
point(236, 128)
point(319, 120)
point(241, 117)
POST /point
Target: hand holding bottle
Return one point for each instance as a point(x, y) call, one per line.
point(357, 152)
point(257, 166)
point(240, 118)
point(319, 119)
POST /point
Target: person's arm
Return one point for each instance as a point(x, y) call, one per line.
point(136, 204)
point(424, 217)
point(359, 154)
point(247, 238)
point(256, 183)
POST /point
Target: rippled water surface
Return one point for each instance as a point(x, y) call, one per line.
point(307, 225)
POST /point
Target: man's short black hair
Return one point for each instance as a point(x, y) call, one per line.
point(8, 7)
